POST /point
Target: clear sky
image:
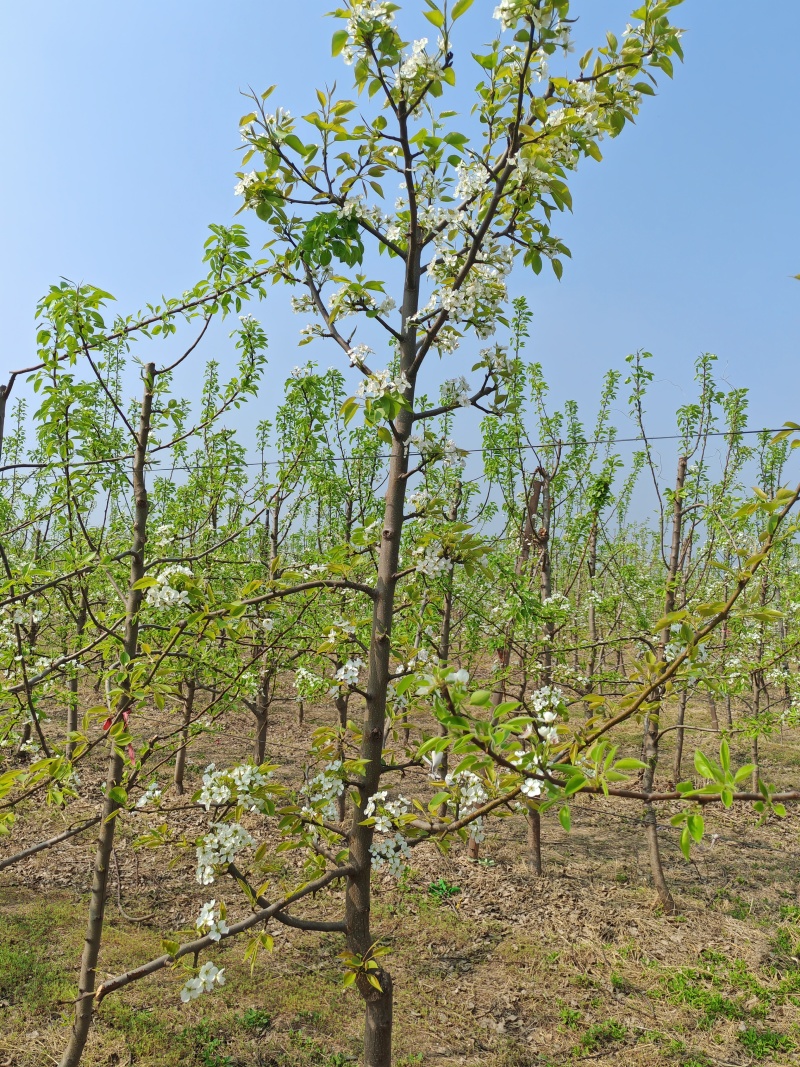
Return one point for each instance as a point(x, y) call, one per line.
point(120, 129)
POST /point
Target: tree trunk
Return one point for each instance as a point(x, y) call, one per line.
point(105, 842)
point(341, 712)
point(261, 712)
point(378, 1031)
point(651, 726)
point(444, 638)
point(180, 755)
point(534, 820)
point(378, 1023)
point(712, 712)
point(676, 766)
point(72, 699)
point(591, 566)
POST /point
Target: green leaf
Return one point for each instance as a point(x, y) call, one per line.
point(338, 42)
point(118, 795)
point(349, 409)
point(703, 766)
point(146, 582)
point(481, 698)
point(576, 783)
point(686, 842)
point(565, 818)
point(461, 8)
point(696, 827)
point(667, 620)
point(725, 756)
point(629, 764)
point(436, 17)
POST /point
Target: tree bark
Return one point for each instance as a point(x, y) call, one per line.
point(534, 820)
point(180, 755)
point(105, 842)
point(712, 713)
point(676, 766)
point(651, 727)
point(261, 712)
point(378, 1029)
point(72, 699)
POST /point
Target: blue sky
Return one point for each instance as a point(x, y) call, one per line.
point(120, 127)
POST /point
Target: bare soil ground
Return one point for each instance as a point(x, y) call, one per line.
point(499, 968)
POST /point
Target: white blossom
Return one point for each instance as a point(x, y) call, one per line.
point(322, 791)
point(164, 594)
point(378, 385)
point(152, 793)
point(471, 179)
point(219, 847)
point(207, 977)
point(244, 183)
point(348, 673)
point(456, 391)
point(431, 560)
point(358, 354)
point(208, 923)
point(238, 784)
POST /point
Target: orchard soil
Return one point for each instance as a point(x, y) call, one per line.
point(492, 965)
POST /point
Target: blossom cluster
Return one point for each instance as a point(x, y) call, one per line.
point(341, 629)
point(207, 977)
point(419, 64)
point(479, 296)
point(418, 500)
point(456, 391)
point(365, 15)
point(429, 448)
point(163, 535)
point(384, 811)
point(164, 594)
point(381, 383)
point(346, 301)
point(471, 180)
point(323, 791)
point(545, 702)
point(392, 851)
point(244, 183)
point(431, 560)
point(359, 354)
point(355, 207)
point(151, 794)
point(239, 784)
point(219, 847)
point(308, 686)
point(559, 602)
point(348, 673)
point(209, 923)
point(469, 790)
